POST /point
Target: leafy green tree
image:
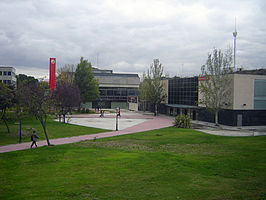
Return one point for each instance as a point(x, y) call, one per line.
point(152, 88)
point(215, 90)
point(87, 84)
point(24, 79)
point(6, 101)
point(143, 91)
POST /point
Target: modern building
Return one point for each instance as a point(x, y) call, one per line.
point(7, 75)
point(116, 89)
point(182, 97)
point(248, 99)
point(247, 102)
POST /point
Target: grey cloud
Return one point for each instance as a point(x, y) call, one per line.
point(128, 35)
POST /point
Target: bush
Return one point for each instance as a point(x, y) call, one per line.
point(182, 121)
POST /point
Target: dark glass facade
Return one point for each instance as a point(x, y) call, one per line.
point(183, 91)
point(116, 94)
point(229, 117)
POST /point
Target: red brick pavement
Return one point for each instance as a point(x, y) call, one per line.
point(154, 123)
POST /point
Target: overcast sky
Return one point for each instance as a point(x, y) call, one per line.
point(126, 35)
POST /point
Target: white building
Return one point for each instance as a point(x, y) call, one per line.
point(7, 75)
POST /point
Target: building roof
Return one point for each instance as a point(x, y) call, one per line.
point(181, 106)
point(251, 72)
point(115, 74)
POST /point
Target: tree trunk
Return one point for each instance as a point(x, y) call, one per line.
point(216, 118)
point(3, 118)
point(64, 116)
point(44, 129)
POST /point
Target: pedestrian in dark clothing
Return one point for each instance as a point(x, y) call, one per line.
point(34, 138)
point(102, 113)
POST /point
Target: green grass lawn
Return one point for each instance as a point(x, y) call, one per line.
point(163, 164)
point(54, 130)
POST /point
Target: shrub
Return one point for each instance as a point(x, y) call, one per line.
point(182, 121)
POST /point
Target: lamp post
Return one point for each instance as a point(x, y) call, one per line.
point(116, 121)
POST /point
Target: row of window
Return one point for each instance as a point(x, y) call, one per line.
point(183, 91)
point(5, 81)
point(118, 92)
point(5, 73)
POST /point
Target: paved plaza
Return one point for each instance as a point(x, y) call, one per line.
point(133, 122)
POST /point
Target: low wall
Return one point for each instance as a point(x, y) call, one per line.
point(121, 105)
point(86, 105)
point(133, 106)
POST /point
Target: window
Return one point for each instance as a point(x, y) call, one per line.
point(0, 73)
point(9, 73)
point(259, 94)
point(5, 73)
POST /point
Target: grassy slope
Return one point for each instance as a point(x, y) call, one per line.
point(161, 164)
point(54, 129)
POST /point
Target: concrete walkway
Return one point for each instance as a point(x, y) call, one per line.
point(150, 123)
point(131, 122)
point(224, 130)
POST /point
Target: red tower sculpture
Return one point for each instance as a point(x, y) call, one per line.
point(52, 73)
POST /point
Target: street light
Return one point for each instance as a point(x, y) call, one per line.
point(116, 121)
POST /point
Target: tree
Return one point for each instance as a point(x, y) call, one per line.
point(66, 73)
point(6, 101)
point(19, 108)
point(144, 90)
point(152, 88)
point(36, 100)
point(65, 97)
point(22, 81)
point(215, 91)
point(87, 84)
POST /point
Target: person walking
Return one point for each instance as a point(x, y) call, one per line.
point(34, 138)
point(118, 112)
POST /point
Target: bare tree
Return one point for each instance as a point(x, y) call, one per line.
point(66, 73)
point(36, 100)
point(6, 101)
point(22, 81)
point(65, 97)
point(215, 82)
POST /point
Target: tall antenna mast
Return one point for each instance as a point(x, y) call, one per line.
point(235, 34)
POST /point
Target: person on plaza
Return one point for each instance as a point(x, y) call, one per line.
point(102, 113)
point(118, 112)
point(34, 138)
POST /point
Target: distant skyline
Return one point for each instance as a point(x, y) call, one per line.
point(126, 35)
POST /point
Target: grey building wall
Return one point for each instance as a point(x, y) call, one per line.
point(7, 75)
